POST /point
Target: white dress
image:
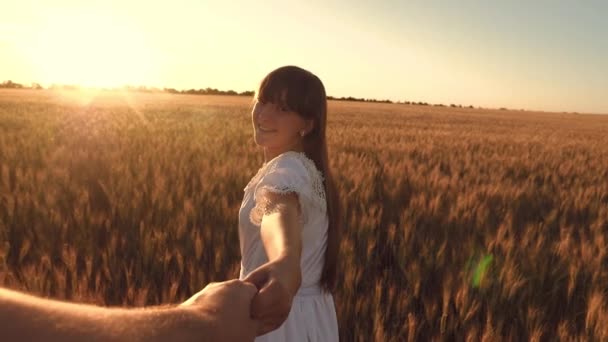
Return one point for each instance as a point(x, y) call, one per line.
point(313, 314)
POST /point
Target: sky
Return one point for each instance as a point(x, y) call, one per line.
point(535, 55)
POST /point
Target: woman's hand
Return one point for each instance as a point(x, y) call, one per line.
point(278, 282)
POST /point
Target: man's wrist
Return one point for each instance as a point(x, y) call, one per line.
point(171, 323)
point(190, 324)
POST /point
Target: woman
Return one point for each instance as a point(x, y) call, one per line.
point(289, 218)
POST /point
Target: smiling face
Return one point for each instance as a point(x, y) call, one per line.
point(289, 101)
point(277, 128)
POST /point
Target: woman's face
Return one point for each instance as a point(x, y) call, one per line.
point(278, 129)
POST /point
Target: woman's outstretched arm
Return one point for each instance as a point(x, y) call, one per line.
point(278, 280)
point(210, 314)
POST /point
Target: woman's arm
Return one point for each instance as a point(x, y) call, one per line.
point(281, 229)
point(278, 280)
point(211, 313)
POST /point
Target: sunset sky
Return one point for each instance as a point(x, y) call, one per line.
point(543, 55)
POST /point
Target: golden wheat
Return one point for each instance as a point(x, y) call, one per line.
point(459, 224)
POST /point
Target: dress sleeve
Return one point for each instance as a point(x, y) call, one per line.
point(286, 175)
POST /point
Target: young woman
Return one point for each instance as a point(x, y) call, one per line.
point(289, 218)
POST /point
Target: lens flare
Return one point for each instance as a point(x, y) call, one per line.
point(480, 270)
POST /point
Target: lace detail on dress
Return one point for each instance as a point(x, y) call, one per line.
point(267, 207)
point(318, 191)
point(255, 178)
point(317, 180)
point(278, 178)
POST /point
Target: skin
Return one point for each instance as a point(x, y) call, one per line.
point(278, 280)
point(211, 314)
point(285, 127)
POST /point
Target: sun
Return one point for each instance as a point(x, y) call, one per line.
point(91, 48)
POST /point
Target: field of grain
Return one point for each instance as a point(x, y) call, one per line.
point(463, 224)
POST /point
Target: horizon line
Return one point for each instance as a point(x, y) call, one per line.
point(9, 84)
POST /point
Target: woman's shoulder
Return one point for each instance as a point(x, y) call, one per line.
point(298, 167)
point(289, 159)
point(288, 165)
point(296, 162)
point(292, 170)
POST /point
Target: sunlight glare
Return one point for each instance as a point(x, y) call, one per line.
point(93, 49)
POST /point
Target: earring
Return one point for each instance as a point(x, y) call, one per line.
point(302, 133)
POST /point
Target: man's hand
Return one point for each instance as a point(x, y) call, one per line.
point(227, 306)
point(278, 282)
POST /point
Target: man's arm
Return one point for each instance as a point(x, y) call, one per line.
point(211, 314)
point(24, 317)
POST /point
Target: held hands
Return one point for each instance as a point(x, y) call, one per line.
point(237, 313)
point(225, 306)
point(277, 282)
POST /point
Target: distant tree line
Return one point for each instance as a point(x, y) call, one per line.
point(13, 85)
point(207, 91)
point(451, 105)
point(210, 91)
point(350, 98)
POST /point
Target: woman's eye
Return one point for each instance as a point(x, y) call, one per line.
point(283, 109)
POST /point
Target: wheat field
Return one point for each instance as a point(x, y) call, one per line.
point(459, 224)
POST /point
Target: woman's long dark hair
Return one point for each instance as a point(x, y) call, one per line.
point(302, 92)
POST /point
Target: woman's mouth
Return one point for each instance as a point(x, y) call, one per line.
point(265, 130)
